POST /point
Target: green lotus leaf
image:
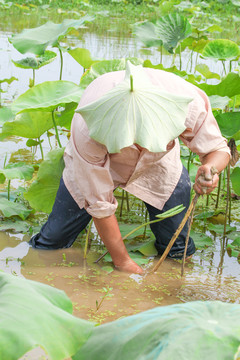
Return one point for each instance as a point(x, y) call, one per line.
point(18, 171)
point(37, 62)
point(42, 192)
point(201, 240)
point(136, 115)
point(146, 33)
point(173, 69)
point(29, 125)
point(229, 123)
point(235, 180)
point(146, 248)
point(171, 29)
point(219, 102)
point(105, 66)
point(35, 314)
point(64, 118)
point(9, 208)
point(32, 142)
point(167, 31)
point(229, 86)
point(36, 40)
point(5, 114)
point(221, 49)
point(8, 81)
point(83, 57)
point(194, 330)
point(204, 70)
point(47, 96)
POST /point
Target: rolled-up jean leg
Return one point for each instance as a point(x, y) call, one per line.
point(64, 224)
point(164, 230)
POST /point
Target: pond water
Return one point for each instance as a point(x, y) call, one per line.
point(210, 275)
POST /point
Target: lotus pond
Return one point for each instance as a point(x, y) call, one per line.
point(35, 128)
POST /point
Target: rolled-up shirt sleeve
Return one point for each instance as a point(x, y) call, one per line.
point(203, 135)
point(89, 166)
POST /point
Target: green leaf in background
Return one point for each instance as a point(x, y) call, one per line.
point(36, 40)
point(218, 228)
point(147, 248)
point(29, 125)
point(204, 70)
point(47, 96)
point(33, 314)
point(83, 57)
point(32, 142)
point(18, 226)
point(167, 31)
point(8, 81)
point(221, 49)
point(105, 66)
point(201, 240)
point(219, 102)
point(18, 171)
point(235, 180)
point(42, 192)
point(229, 86)
point(192, 331)
point(9, 208)
point(146, 33)
point(64, 118)
point(229, 123)
point(172, 29)
point(5, 115)
point(233, 249)
point(36, 63)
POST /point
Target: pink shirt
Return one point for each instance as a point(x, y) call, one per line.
point(91, 173)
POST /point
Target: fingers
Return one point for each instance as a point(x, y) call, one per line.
point(205, 181)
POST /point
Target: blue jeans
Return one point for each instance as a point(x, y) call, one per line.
point(67, 220)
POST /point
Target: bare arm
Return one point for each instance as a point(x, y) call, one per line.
point(215, 159)
point(109, 232)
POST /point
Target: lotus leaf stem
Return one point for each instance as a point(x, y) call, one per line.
point(41, 148)
point(61, 66)
point(33, 82)
point(8, 189)
point(87, 239)
point(227, 202)
point(56, 130)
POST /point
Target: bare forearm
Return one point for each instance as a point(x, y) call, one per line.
point(109, 232)
point(216, 159)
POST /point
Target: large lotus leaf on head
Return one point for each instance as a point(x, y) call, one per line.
point(34, 314)
point(221, 49)
point(42, 192)
point(36, 40)
point(47, 96)
point(135, 111)
point(192, 331)
point(105, 66)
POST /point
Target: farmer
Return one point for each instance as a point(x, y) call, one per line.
point(125, 133)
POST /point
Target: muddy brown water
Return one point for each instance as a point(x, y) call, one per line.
point(208, 276)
